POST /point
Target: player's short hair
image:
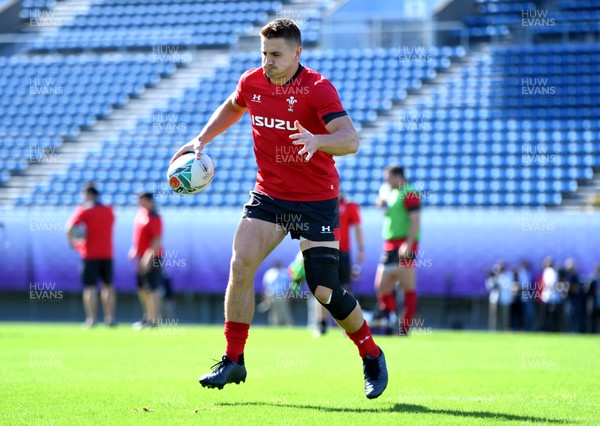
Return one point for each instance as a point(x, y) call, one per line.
point(90, 189)
point(395, 170)
point(283, 28)
point(147, 195)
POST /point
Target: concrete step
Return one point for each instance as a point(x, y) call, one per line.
point(585, 194)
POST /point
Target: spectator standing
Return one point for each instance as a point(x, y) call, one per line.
point(505, 296)
point(491, 284)
point(276, 289)
point(593, 300)
point(551, 296)
point(575, 298)
point(528, 294)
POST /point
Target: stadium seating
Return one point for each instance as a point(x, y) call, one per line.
point(498, 134)
point(572, 18)
point(481, 139)
point(121, 24)
point(46, 99)
point(370, 82)
point(31, 8)
point(493, 18)
point(518, 127)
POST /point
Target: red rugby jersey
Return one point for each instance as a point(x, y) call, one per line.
point(98, 220)
point(312, 100)
point(349, 216)
point(147, 225)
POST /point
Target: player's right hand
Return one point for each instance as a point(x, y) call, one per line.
point(192, 146)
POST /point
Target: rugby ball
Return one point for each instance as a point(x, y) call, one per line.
point(186, 175)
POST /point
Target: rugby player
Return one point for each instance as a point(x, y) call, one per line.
point(298, 125)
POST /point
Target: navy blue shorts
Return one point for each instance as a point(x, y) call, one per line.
point(311, 220)
point(94, 269)
point(150, 280)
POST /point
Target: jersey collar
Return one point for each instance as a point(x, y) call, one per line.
point(296, 74)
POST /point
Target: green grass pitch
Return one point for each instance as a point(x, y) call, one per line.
point(61, 374)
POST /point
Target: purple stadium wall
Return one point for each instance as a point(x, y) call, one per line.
point(457, 247)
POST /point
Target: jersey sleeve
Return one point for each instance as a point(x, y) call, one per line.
point(412, 201)
point(326, 101)
point(296, 270)
point(77, 218)
point(239, 91)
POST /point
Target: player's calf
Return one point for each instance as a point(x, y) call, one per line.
point(321, 267)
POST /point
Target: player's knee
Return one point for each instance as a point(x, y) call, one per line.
point(321, 267)
point(240, 268)
point(323, 294)
point(408, 286)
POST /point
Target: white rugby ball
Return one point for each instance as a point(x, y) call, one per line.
point(186, 175)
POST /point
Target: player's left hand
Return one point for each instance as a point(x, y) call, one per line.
point(405, 251)
point(306, 138)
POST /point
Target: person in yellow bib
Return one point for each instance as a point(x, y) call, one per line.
point(402, 205)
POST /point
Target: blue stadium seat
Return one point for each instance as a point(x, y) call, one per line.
point(476, 140)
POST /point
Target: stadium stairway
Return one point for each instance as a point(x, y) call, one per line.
point(201, 64)
point(587, 195)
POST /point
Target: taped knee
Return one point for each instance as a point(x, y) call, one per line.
point(342, 303)
point(321, 267)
